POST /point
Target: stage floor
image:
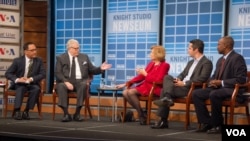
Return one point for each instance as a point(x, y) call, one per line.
point(93, 130)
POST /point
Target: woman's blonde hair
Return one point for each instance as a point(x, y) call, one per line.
point(159, 52)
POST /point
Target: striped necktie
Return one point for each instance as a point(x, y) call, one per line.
point(30, 68)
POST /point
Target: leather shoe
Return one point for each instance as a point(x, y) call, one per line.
point(77, 117)
point(165, 101)
point(143, 120)
point(66, 118)
point(17, 115)
point(160, 125)
point(25, 115)
point(214, 130)
point(204, 128)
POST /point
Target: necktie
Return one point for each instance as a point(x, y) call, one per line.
point(73, 70)
point(221, 68)
point(30, 67)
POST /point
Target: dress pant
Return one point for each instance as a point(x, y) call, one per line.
point(170, 91)
point(21, 89)
point(216, 97)
point(80, 87)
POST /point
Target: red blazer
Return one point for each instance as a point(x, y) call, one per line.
point(156, 73)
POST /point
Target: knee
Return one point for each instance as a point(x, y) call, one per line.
point(213, 96)
point(194, 94)
point(60, 86)
point(125, 93)
point(168, 77)
point(83, 85)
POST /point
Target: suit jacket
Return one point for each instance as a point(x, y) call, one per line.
point(201, 73)
point(235, 70)
point(17, 70)
point(155, 74)
point(62, 70)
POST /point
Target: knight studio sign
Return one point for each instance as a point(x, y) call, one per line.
point(241, 132)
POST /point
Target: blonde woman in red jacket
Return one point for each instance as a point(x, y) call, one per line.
point(155, 71)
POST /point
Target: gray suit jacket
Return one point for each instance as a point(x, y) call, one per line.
point(62, 70)
point(201, 72)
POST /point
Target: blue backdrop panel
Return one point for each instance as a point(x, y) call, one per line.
point(239, 27)
point(132, 28)
point(81, 20)
point(186, 20)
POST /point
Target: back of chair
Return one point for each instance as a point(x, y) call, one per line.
point(187, 100)
point(248, 81)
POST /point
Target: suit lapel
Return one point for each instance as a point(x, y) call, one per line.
point(81, 62)
point(198, 65)
point(23, 64)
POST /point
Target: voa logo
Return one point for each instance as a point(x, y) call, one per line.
point(5, 51)
point(236, 132)
point(7, 18)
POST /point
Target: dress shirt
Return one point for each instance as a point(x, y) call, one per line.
point(78, 71)
point(27, 62)
point(191, 70)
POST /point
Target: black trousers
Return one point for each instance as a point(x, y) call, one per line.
point(21, 89)
point(216, 97)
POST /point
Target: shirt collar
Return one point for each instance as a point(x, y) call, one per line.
point(198, 59)
point(225, 56)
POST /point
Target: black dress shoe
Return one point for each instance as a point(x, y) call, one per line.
point(214, 130)
point(160, 125)
point(17, 115)
point(204, 128)
point(25, 115)
point(66, 118)
point(77, 117)
point(165, 101)
point(143, 120)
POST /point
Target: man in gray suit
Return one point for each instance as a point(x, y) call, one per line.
point(25, 74)
point(197, 70)
point(72, 72)
point(230, 69)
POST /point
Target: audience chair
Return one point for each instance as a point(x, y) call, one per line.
point(9, 92)
point(188, 101)
point(73, 95)
point(147, 99)
point(232, 102)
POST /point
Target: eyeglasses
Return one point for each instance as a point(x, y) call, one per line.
point(76, 48)
point(32, 50)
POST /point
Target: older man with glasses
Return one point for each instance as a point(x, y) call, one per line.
point(72, 71)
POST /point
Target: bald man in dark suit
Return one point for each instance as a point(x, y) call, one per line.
point(221, 86)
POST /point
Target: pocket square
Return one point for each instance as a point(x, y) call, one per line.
point(84, 63)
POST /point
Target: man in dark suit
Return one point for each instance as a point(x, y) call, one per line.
point(197, 70)
point(72, 71)
point(230, 69)
point(25, 74)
